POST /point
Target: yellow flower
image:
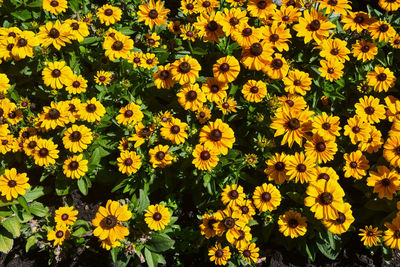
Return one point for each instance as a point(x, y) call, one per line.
point(160, 157)
point(118, 46)
point(56, 74)
point(4, 83)
point(79, 29)
point(392, 234)
point(65, 216)
point(385, 182)
point(56, 34)
point(59, 234)
point(157, 217)
point(219, 255)
point(13, 184)
point(45, 152)
point(153, 13)
point(76, 84)
point(75, 167)
point(363, 50)
point(219, 135)
point(254, 91)
point(232, 195)
point(55, 6)
point(109, 14)
point(381, 79)
point(381, 31)
point(331, 69)
point(129, 162)
point(301, 168)
point(356, 165)
point(321, 148)
point(130, 114)
point(292, 224)
point(175, 131)
point(226, 69)
point(205, 157)
point(185, 70)
point(266, 197)
point(92, 110)
point(357, 129)
point(190, 97)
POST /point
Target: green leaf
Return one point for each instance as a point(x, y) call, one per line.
point(74, 5)
point(153, 259)
point(23, 203)
point(6, 243)
point(34, 193)
point(114, 254)
point(37, 3)
point(22, 15)
point(38, 209)
point(159, 242)
point(80, 232)
point(143, 201)
point(30, 242)
point(82, 185)
point(13, 226)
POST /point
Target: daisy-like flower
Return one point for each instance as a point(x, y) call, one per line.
point(373, 143)
point(56, 74)
point(321, 148)
point(54, 115)
point(153, 13)
point(276, 170)
point(381, 31)
point(391, 150)
point(77, 138)
point(389, 5)
point(334, 49)
point(356, 165)
point(301, 168)
point(391, 236)
point(157, 217)
point(189, 32)
point(109, 14)
point(326, 173)
point(247, 209)
point(249, 252)
point(370, 236)
point(208, 27)
point(232, 195)
point(13, 184)
point(292, 224)
point(203, 114)
point(219, 255)
point(337, 6)
point(313, 26)
point(55, 6)
point(266, 197)
point(343, 221)
point(254, 91)
point(25, 42)
point(79, 29)
point(287, 14)
point(91, 111)
point(381, 79)
point(206, 6)
point(331, 69)
point(45, 152)
point(229, 221)
point(219, 135)
point(325, 199)
point(205, 157)
point(185, 70)
point(75, 167)
point(385, 182)
point(226, 69)
point(231, 19)
point(65, 216)
point(326, 126)
point(142, 133)
point(395, 41)
point(291, 103)
point(102, 77)
point(256, 56)
point(370, 110)
point(227, 105)
point(108, 221)
point(163, 77)
point(76, 84)
point(55, 34)
point(207, 228)
point(149, 61)
point(363, 50)
point(188, 7)
point(175, 131)
point(278, 36)
point(260, 8)
point(160, 157)
point(245, 35)
point(129, 162)
point(130, 114)
point(356, 21)
point(153, 40)
point(118, 46)
point(297, 82)
point(215, 90)
point(277, 67)
point(59, 234)
point(357, 129)
point(191, 97)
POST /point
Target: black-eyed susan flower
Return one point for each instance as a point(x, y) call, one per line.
point(45, 152)
point(301, 168)
point(232, 195)
point(326, 173)
point(91, 111)
point(381, 31)
point(231, 19)
point(208, 27)
point(24, 45)
point(226, 69)
point(391, 237)
point(153, 13)
point(326, 126)
point(56, 34)
point(118, 46)
point(219, 255)
point(78, 29)
point(313, 26)
point(175, 27)
point(291, 103)
point(286, 15)
point(203, 114)
point(292, 224)
point(321, 148)
point(77, 138)
point(163, 77)
point(227, 105)
point(189, 32)
point(130, 114)
point(153, 40)
point(185, 70)
point(247, 209)
point(6, 144)
point(13, 184)
point(214, 90)
point(149, 61)
point(389, 5)
point(266, 197)
point(102, 77)
point(370, 236)
point(356, 165)
point(337, 6)
point(76, 84)
point(191, 97)
point(56, 74)
point(108, 221)
point(230, 221)
point(188, 7)
point(373, 143)
point(276, 168)
point(331, 69)
point(278, 36)
point(363, 50)
point(175, 131)
point(160, 157)
point(109, 14)
point(386, 182)
point(73, 105)
point(4, 83)
point(370, 110)
point(219, 135)
point(205, 157)
point(260, 8)
point(250, 253)
point(75, 167)
point(157, 217)
point(391, 150)
point(206, 6)
point(243, 239)
point(58, 235)
point(254, 91)
point(325, 199)
point(56, 114)
point(297, 82)
point(256, 55)
point(356, 21)
point(207, 226)
point(129, 162)
point(65, 216)
point(29, 145)
point(245, 35)
point(277, 67)
point(343, 221)
point(357, 129)
point(381, 79)
point(334, 49)
point(395, 41)
point(136, 58)
point(55, 6)
point(142, 133)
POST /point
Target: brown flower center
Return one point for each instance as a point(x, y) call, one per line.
point(117, 46)
point(91, 108)
point(256, 49)
point(175, 129)
point(43, 152)
point(56, 73)
point(184, 67)
point(54, 3)
point(266, 196)
point(205, 155)
point(279, 166)
point(384, 28)
point(262, 4)
point(293, 223)
point(160, 155)
point(157, 216)
point(233, 21)
point(219, 253)
point(293, 124)
point(12, 183)
point(64, 217)
point(315, 25)
point(153, 14)
point(330, 70)
point(191, 95)
point(233, 194)
point(212, 26)
point(54, 33)
point(369, 110)
point(108, 12)
point(385, 182)
point(59, 234)
point(254, 89)
point(382, 77)
point(301, 167)
point(353, 164)
point(224, 67)
point(359, 19)
point(54, 114)
point(247, 32)
point(324, 176)
point(341, 218)
point(73, 165)
point(215, 135)
point(277, 63)
point(164, 74)
point(274, 37)
point(22, 42)
point(325, 198)
point(229, 222)
point(320, 146)
point(335, 51)
point(109, 222)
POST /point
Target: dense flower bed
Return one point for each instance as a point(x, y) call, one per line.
point(218, 128)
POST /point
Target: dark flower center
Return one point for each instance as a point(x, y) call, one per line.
point(184, 67)
point(189, 34)
point(110, 222)
point(233, 194)
point(285, 18)
point(59, 234)
point(12, 114)
point(75, 26)
point(246, 253)
point(301, 167)
point(22, 42)
point(191, 95)
point(56, 73)
point(190, 6)
point(164, 74)
point(4, 142)
point(324, 176)
point(262, 4)
point(153, 14)
point(331, 70)
point(32, 144)
point(365, 48)
point(356, 129)
point(229, 222)
point(274, 37)
point(202, 114)
point(385, 182)
point(254, 89)
point(225, 105)
point(205, 155)
point(175, 129)
point(233, 21)
point(369, 110)
point(359, 19)
point(54, 33)
point(396, 234)
point(289, 102)
point(341, 218)
point(382, 77)
point(128, 162)
point(117, 46)
point(279, 166)
point(76, 136)
point(43, 152)
point(151, 41)
point(136, 60)
point(212, 26)
point(384, 28)
point(219, 253)
point(294, 124)
point(10, 47)
point(12, 183)
point(214, 88)
point(315, 25)
point(72, 107)
point(54, 3)
point(160, 155)
point(64, 217)
point(102, 78)
point(108, 12)
point(326, 126)
point(397, 41)
point(206, 4)
point(245, 209)
point(54, 114)
point(73, 165)
point(277, 63)
point(149, 61)
point(325, 198)
point(91, 108)
point(293, 223)
point(157, 216)
point(215, 135)
point(353, 164)
point(332, 2)
point(320, 146)
point(256, 49)
point(247, 32)
point(369, 233)
point(76, 84)
point(128, 113)
point(266, 196)
point(224, 67)
point(335, 51)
